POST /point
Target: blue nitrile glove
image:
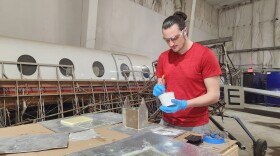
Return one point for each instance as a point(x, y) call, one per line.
point(158, 89)
point(178, 105)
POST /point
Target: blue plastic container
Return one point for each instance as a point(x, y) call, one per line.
point(273, 84)
point(254, 80)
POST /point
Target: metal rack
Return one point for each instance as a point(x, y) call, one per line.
point(31, 100)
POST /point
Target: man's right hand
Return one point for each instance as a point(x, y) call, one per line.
point(158, 89)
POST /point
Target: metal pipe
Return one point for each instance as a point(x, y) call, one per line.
point(244, 127)
point(215, 41)
point(254, 50)
point(192, 19)
point(221, 128)
point(262, 92)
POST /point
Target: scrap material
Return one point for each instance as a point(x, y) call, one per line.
point(167, 131)
point(146, 144)
point(131, 131)
point(147, 151)
point(31, 143)
point(154, 128)
point(83, 135)
point(98, 119)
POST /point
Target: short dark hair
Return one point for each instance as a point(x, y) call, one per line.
point(178, 18)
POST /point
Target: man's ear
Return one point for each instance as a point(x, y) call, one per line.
point(185, 31)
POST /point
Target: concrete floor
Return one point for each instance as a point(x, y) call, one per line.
point(262, 121)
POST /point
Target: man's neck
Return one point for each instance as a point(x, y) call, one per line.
point(187, 46)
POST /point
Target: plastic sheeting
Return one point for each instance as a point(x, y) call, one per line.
point(252, 26)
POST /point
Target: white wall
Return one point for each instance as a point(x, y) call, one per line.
point(89, 23)
point(56, 21)
point(114, 25)
point(125, 26)
point(205, 22)
point(200, 35)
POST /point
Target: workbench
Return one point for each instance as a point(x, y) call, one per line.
point(112, 135)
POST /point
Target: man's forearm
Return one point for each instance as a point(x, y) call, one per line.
point(204, 100)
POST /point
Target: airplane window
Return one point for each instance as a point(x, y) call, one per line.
point(146, 71)
point(26, 69)
point(66, 71)
point(98, 69)
point(125, 70)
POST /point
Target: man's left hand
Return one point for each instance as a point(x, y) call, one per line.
point(178, 105)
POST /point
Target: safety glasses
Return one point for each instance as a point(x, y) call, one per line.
point(173, 38)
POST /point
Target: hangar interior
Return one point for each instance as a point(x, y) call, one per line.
point(68, 58)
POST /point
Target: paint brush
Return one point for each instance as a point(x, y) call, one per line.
point(162, 80)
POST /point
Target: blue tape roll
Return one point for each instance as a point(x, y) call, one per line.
point(213, 139)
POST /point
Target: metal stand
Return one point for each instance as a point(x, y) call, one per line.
point(259, 146)
point(30, 100)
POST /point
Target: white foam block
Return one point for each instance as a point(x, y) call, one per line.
point(75, 120)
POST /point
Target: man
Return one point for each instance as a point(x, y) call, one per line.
point(192, 72)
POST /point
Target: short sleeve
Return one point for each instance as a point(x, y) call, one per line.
point(210, 64)
point(159, 69)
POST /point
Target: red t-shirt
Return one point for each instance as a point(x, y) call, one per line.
point(184, 75)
